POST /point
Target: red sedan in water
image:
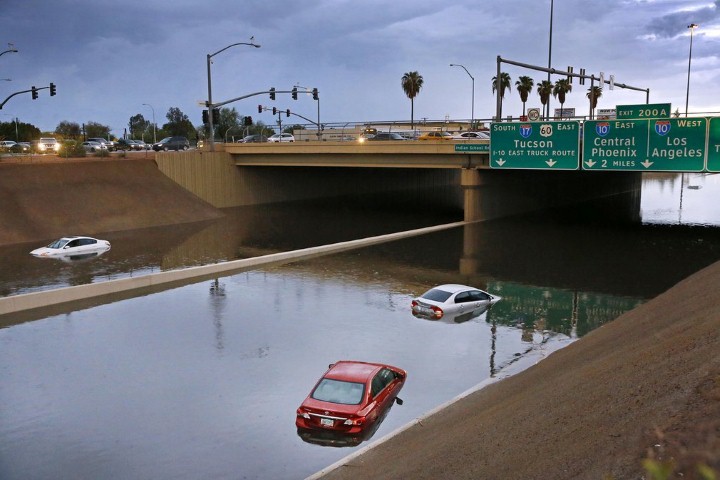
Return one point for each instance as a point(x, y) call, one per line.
point(350, 397)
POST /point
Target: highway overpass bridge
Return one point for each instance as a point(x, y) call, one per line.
point(437, 174)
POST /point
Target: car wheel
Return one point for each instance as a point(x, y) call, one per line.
point(185, 147)
point(165, 149)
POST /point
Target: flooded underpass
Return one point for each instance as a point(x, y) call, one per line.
point(202, 381)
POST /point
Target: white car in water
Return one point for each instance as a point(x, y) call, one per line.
point(73, 248)
point(452, 299)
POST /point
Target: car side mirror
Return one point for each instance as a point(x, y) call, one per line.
point(398, 400)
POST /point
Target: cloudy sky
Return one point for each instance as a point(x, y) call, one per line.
point(110, 57)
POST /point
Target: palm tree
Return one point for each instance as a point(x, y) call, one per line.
point(524, 86)
point(544, 89)
point(594, 93)
point(504, 84)
point(561, 88)
point(411, 83)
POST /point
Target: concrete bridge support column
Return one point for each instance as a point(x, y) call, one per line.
point(471, 181)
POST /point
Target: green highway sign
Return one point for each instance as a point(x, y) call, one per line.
point(535, 145)
point(614, 144)
point(472, 147)
point(644, 111)
point(666, 145)
point(713, 148)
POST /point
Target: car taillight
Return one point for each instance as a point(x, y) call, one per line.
point(438, 311)
point(303, 413)
point(414, 303)
point(354, 421)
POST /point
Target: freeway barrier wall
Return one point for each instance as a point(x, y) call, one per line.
point(113, 290)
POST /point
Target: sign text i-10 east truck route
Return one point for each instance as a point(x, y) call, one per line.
point(535, 145)
point(661, 145)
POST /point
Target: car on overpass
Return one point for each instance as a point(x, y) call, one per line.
point(435, 136)
point(281, 137)
point(256, 138)
point(385, 136)
point(472, 136)
point(172, 143)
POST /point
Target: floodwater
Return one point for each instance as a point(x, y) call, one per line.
point(202, 381)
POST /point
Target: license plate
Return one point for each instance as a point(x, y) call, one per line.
point(326, 422)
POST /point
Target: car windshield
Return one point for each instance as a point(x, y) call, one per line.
point(338, 391)
point(436, 295)
point(58, 243)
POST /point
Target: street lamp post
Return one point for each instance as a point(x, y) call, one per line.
point(209, 79)
point(692, 27)
point(12, 49)
point(472, 114)
point(547, 104)
point(154, 132)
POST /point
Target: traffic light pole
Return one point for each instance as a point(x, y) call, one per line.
point(211, 105)
point(500, 60)
point(34, 89)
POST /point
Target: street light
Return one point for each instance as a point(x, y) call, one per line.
point(472, 115)
point(547, 104)
point(154, 132)
point(692, 28)
point(209, 102)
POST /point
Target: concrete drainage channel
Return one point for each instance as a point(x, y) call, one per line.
point(82, 296)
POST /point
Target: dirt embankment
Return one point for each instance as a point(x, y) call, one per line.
point(646, 385)
point(44, 200)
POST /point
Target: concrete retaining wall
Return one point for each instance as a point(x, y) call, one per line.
point(108, 291)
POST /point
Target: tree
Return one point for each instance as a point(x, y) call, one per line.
point(69, 130)
point(18, 131)
point(178, 124)
point(562, 87)
point(96, 130)
point(503, 85)
point(138, 126)
point(292, 128)
point(411, 83)
point(524, 86)
point(593, 94)
point(544, 89)
point(229, 119)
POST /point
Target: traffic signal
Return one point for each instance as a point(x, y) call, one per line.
point(272, 93)
point(206, 119)
point(247, 121)
point(287, 112)
point(259, 108)
point(274, 111)
point(294, 93)
point(216, 115)
point(52, 89)
point(34, 93)
point(315, 93)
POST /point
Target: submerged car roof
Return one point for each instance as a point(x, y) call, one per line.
point(453, 287)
